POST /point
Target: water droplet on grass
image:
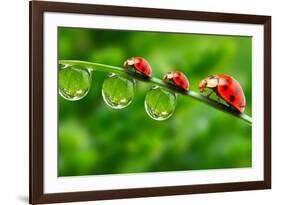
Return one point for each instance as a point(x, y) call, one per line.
point(159, 103)
point(118, 92)
point(74, 82)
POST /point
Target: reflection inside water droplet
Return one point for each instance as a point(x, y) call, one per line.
point(118, 92)
point(159, 103)
point(74, 82)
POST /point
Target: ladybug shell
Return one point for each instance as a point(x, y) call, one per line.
point(231, 91)
point(141, 65)
point(180, 80)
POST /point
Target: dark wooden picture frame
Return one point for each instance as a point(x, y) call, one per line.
point(37, 9)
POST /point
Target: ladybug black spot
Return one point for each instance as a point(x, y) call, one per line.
point(231, 98)
point(225, 87)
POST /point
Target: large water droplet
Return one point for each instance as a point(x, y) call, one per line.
point(159, 103)
point(74, 82)
point(118, 92)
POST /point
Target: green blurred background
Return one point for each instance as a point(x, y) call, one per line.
point(96, 139)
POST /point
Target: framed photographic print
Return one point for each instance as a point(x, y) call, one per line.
point(139, 102)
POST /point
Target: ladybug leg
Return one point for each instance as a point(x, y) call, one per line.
point(209, 95)
point(130, 69)
point(218, 100)
point(231, 107)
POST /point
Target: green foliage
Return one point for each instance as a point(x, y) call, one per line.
point(95, 139)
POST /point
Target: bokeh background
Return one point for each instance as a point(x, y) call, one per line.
point(96, 139)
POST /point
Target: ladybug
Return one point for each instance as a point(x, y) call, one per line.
point(140, 65)
point(227, 88)
point(177, 78)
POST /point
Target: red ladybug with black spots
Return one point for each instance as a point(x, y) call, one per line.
point(139, 65)
point(177, 78)
point(227, 88)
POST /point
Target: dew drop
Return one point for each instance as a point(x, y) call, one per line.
point(118, 92)
point(159, 103)
point(74, 82)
